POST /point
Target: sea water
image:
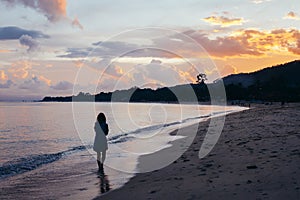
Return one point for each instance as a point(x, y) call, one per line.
point(36, 134)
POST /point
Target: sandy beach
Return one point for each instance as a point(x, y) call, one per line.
point(256, 157)
point(149, 100)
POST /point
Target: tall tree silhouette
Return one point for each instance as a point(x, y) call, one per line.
point(201, 78)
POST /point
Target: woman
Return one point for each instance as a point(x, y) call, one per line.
point(100, 143)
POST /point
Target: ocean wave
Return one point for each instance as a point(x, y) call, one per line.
point(32, 162)
point(124, 137)
point(5, 131)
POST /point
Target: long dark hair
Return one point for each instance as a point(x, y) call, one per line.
point(101, 118)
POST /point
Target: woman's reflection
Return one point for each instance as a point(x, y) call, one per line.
point(104, 182)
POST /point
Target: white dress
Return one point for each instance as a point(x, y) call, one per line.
point(100, 142)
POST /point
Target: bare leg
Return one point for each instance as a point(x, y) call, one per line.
point(99, 156)
point(103, 156)
point(100, 166)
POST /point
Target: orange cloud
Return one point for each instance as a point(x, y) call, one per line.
point(20, 69)
point(54, 10)
point(44, 79)
point(48, 65)
point(292, 15)
point(119, 70)
point(220, 70)
point(3, 76)
point(275, 41)
point(224, 46)
point(224, 21)
point(250, 42)
point(76, 23)
point(296, 48)
point(186, 76)
point(5, 51)
point(78, 63)
point(226, 69)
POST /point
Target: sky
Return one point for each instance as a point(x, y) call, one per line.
point(62, 47)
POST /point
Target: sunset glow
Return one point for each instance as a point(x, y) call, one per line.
point(43, 44)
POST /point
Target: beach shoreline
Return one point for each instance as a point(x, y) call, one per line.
point(256, 157)
point(254, 143)
point(71, 175)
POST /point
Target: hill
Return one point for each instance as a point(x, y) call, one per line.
point(277, 83)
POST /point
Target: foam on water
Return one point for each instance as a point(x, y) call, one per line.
point(22, 165)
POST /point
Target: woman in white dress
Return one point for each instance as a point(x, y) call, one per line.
point(100, 143)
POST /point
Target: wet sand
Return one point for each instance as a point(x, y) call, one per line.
point(256, 157)
point(72, 177)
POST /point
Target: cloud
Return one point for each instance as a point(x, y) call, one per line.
point(3, 76)
point(113, 49)
point(4, 82)
point(5, 51)
point(247, 42)
point(218, 47)
point(28, 41)
point(113, 70)
point(76, 53)
point(33, 84)
point(103, 49)
point(45, 80)
point(76, 23)
point(14, 33)
point(53, 10)
point(225, 46)
point(292, 15)
point(224, 21)
point(153, 74)
point(6, 85)
point(226, 69)
point(19, 72)
point(78, 63)
point(296, 48)
point(153, 61)
point(20, 69)
point(63, 85)
point(259, 1)
point(48, 65)
point(278, 40)
point(242, 42)
point(157, 73)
